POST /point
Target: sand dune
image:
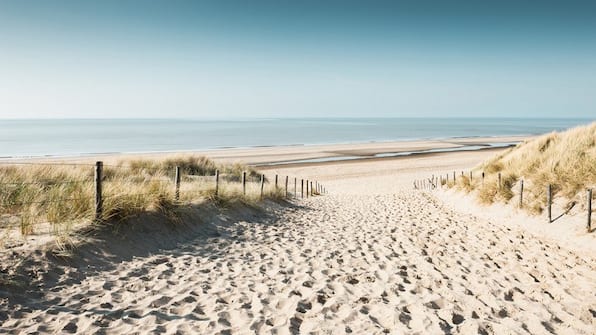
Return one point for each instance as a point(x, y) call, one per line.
point(369, 259)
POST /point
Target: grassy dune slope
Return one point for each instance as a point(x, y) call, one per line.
point(63, 195)
point(565, 160)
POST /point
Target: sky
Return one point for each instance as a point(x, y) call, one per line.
point(244, 59)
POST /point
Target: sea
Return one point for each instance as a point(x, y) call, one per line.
point(79, 137)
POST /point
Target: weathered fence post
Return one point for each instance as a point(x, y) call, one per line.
point(287, 186)
point(276, 182)
point(499, 180)
point(244, 182)
point(589, 225)
point(311, 190)
point(482, 177)
point(262, 184)
point(470, 176)
point(306, 188)
point(98, 190)
point(295, 194)
point(521, 193)
point(549, 202)
point(177, 181)
point(216, 182)
point(301, 188)
point(454, 176)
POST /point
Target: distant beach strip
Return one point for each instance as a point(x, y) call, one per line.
point(469, 147)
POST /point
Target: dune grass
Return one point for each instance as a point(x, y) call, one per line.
point(63, 195)
point(565, 160)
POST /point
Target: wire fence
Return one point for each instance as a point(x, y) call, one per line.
point(64, 192)
point(500, 185)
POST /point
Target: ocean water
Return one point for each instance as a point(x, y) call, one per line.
point(26, 138)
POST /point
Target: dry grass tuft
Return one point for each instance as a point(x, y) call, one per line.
point(64, 195)
point(565, 160)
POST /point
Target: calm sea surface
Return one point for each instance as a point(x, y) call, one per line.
point(23, 138)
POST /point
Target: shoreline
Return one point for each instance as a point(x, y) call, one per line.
point(261, 156)
point(390, 155)
point(359, 160)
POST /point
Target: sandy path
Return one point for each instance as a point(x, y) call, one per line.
point(366, 264)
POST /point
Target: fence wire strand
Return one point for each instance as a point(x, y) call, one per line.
point(48, 201)
point(49, 183)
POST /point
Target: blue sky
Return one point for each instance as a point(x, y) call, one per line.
point(226, 59)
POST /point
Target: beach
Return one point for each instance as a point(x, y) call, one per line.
point(371, 256)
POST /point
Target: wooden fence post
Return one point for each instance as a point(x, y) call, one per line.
point(301, 188)
point(549, 202)
point(216, 182)
point(521, 194)
point(307, 188)
point(311, 190)
point(262, 184)
point(295, 194)
point(287, 186)
point(454, 176)
point(589, 225)
point(177, 181)
point(499, 180)
point(98, 190)
point(470, 176)
point(483, 177)
point(244, 182)
point(276, 182)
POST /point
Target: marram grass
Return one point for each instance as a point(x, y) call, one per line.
point(565, 160)
point(63, 195)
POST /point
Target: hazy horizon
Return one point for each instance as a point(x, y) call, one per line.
point(256, 118)
point(269, 59)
